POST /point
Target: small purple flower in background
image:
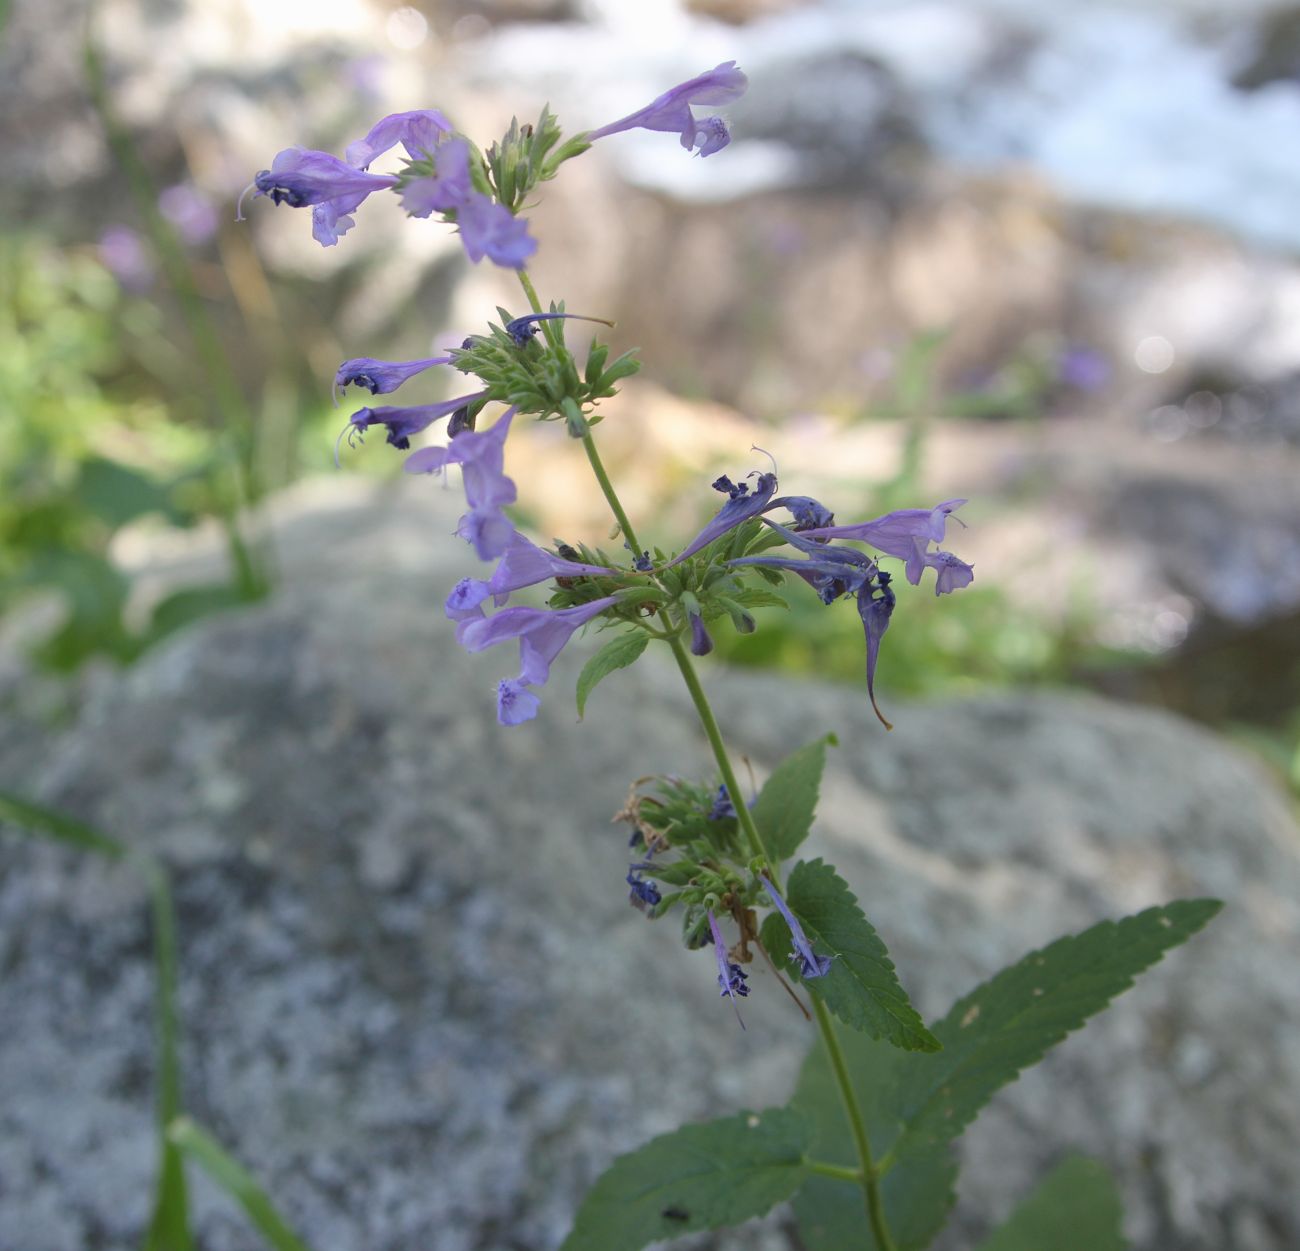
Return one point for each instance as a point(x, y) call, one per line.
point(731, 977)
point(1083, 369)
point(192, 215)
point(672, 111)
point(334, 189)
point(127, 257)
point(404, 422)
point(743, 504)
point(810, 963)
point(722, 808)
point(542, 635)
point(521, 329)
point(643, 894)
point(418, 131)
point(381, 377)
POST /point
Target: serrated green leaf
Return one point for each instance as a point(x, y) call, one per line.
point(618, 653)
point(703, 1176)
point(1075, 1208)
point(862, 987)
point(785, 807)
point(237, 1182)
point(1011, 1022)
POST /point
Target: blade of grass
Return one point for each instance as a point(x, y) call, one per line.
point(236, 1181)
point(169, 1227)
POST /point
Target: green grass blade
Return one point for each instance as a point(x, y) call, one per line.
point(57, 826)
point(237, 1182)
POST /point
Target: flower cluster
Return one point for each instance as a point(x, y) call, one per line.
point(479, 193)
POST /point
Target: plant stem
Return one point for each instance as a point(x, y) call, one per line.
point(529, 290)
point(611, 496)
point(869, 1177)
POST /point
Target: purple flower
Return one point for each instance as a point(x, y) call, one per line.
point(300, 177)
point(731, 977)
point(490, 229)
point(672, 111)
point(831, 571)
point(743, 504)
point(126, 256)
point(810, 963)
point(542, 634)
point(515, 702)
point(521, 329)
point(381, 377)
point(807, 512)
point(643, 894)
point(447, 188)
point(522, 564)
point(1083, 369)
point(722, 808)
point(906, 534)
point(486, 227)
point(481, 457)
point(191, 213)
point(701, 643)
point(418, 131)
point(404, 422)
point(875, 613)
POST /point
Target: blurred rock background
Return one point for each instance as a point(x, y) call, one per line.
point(1041, 256)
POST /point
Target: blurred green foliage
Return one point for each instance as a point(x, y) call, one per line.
point(89, 447)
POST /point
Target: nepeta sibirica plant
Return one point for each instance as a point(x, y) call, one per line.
point(864, 1149)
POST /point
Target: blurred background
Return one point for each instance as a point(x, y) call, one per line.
point(1041, 256)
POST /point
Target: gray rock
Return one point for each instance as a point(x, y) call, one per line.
point(416, 1002)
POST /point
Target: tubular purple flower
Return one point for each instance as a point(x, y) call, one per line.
point(808, 513)
point(893, 533)
point(521, 329)
point(465, 603)
point(300, 177)
point(404, 422)
point(643, 894)
point(515, 702)
point(490, 229)
point(875, 614)
point(731, 977)
point(743, 504)
point(542, 634)
point(418, 131)
point(672, 111)
point(447, 188)
point(831, 571)
point(525, 564)
point(701, 643)
point(381, 377)
point(810, 963)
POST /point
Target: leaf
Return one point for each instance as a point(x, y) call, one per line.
point(917, 1196)
point(784, 809)
point(237, 1182)
point(1010, 1022)
point(1075, 1208)
point(703, 1176)
point(618, 653)
point(862, 988)
point(169, 1228)
point(57, 826)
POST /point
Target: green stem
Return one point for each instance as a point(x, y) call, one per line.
point(529, 290)
point(611, 496)
point(869, 1177)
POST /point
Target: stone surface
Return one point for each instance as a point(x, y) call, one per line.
point(414, 997)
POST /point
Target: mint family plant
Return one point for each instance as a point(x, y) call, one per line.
point(864, 1149)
